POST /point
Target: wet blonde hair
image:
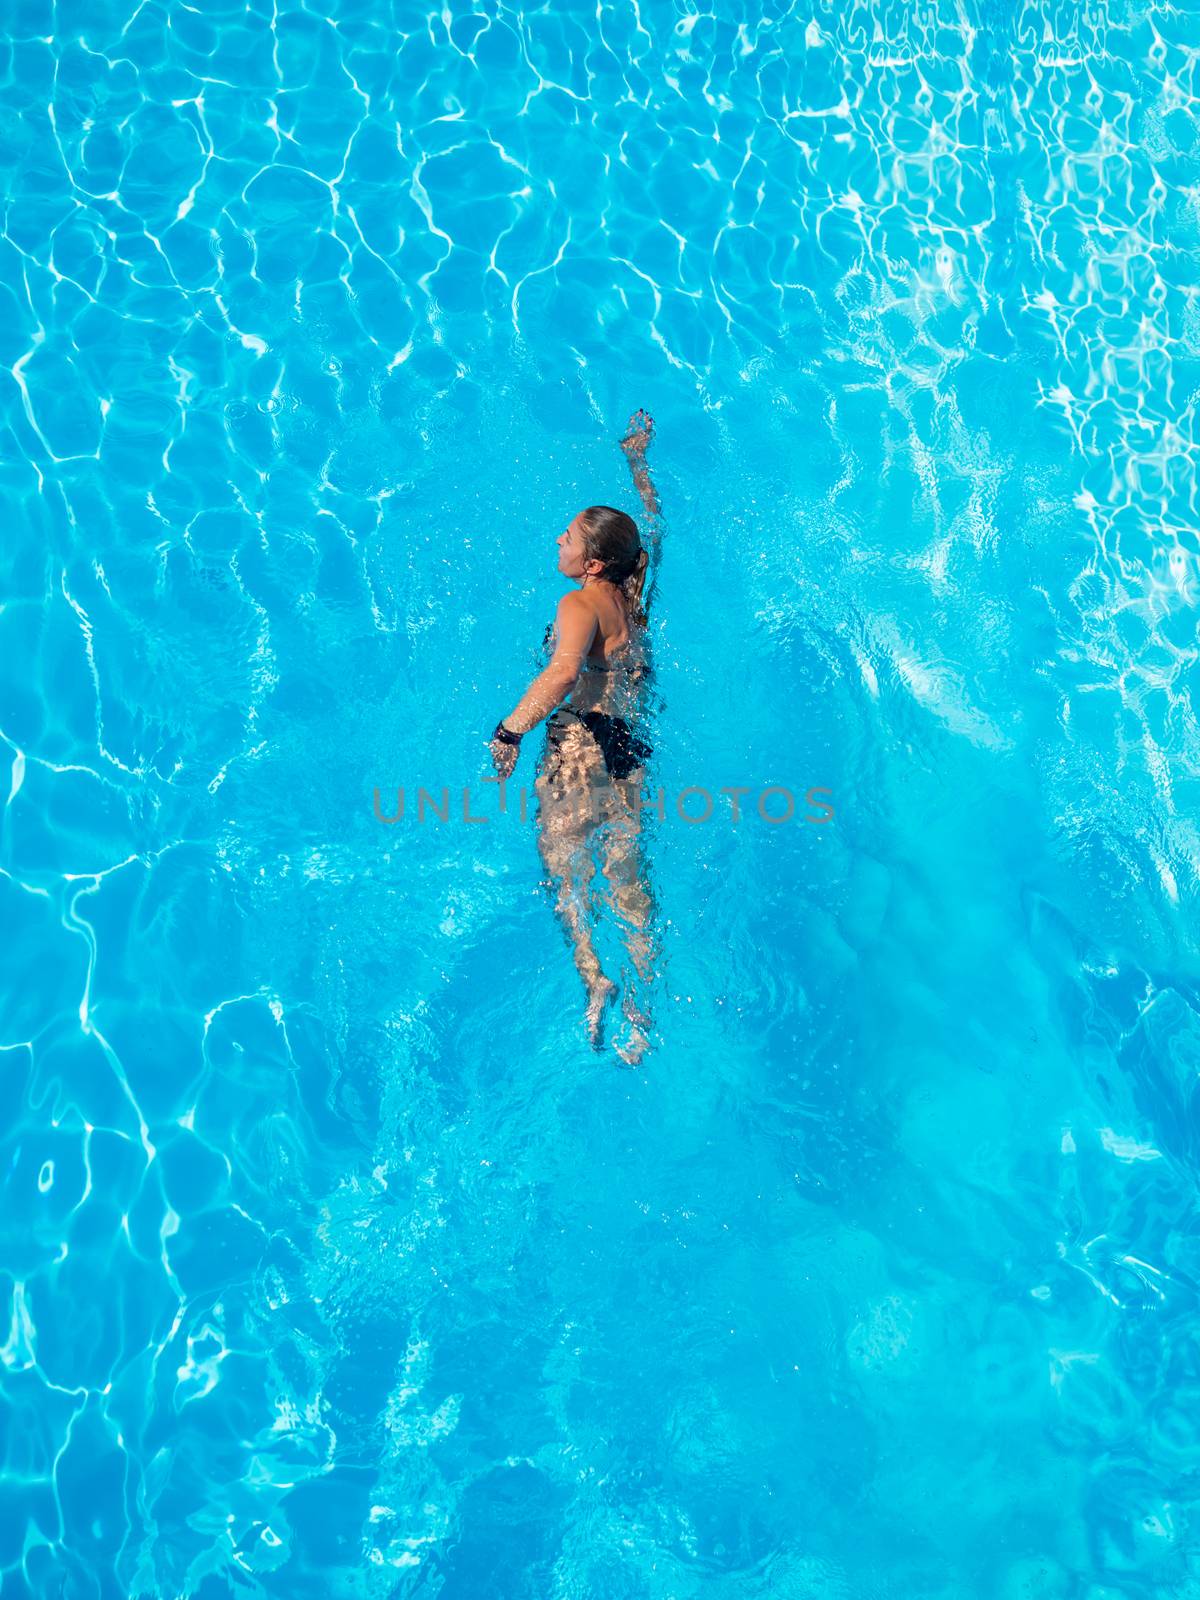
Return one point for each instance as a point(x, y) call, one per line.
point(611, 536)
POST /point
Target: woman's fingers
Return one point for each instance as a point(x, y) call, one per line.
point(640, 430)
point(504, 757)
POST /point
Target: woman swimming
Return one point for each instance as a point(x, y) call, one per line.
point(592, 767)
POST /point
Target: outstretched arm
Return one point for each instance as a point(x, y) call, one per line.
point(576, 626)
point(635, 444)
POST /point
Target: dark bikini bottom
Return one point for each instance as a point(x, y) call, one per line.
point(622, 750)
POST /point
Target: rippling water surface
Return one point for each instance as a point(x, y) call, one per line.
point(335, 1263)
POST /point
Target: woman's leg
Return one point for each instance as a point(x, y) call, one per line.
point(566, 824)
point(629, 896)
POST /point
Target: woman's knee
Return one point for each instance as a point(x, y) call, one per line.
point(631, 903)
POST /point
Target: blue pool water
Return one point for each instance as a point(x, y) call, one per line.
point(335, 1263)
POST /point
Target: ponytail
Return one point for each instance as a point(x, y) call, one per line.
point(635, 583)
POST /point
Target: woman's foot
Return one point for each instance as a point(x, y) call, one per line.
point(602, 992)
point(641, 431)
point(633, 1047)
point(637, 1039)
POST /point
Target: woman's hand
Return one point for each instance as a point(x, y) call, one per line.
point(504, 756)
point(641, 431)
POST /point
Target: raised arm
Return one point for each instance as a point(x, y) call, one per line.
point(576, 628)
point(635, 444)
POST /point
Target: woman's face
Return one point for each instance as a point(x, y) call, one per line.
point(571, 558)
